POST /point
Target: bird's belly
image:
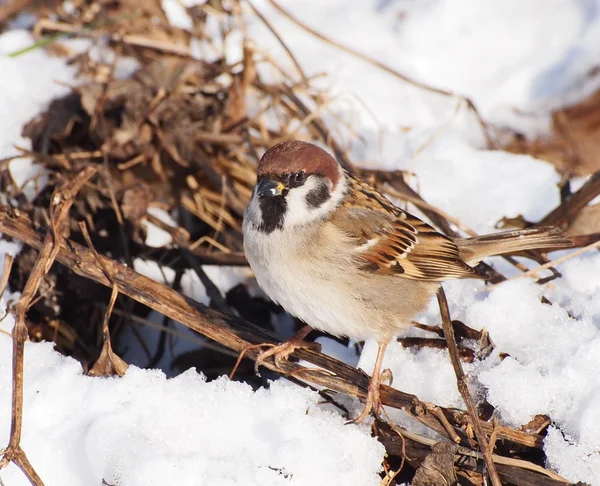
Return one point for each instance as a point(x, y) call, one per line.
point(323, 295)
point(318, 302)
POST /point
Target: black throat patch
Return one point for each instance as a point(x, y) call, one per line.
point(273, 213)
point(318, 196)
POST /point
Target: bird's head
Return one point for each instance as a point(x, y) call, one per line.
point(297, 183)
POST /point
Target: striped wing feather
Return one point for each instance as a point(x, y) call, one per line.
point(392, 241)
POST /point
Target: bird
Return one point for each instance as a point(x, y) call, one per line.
point(338, 255)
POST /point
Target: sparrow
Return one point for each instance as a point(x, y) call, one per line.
point(335, 253)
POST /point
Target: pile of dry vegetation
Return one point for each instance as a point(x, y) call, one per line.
point(185, 134)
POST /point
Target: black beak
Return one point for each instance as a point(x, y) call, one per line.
point(269, 188)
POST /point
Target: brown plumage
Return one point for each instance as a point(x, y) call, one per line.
point(397, 242)
point(298, 156)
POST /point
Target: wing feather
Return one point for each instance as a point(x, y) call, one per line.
point(390, 240)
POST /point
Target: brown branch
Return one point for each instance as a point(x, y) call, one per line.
point(108, 364)
point(8, 262)
point(463, 388)
point(564, 215)
point(61, 201)
point(278, 37)
point(514, 471)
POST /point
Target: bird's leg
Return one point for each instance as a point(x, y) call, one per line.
point(373, 402)
point(279, 351)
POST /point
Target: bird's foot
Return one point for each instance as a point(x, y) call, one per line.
point(280, 352)
point(372, 402)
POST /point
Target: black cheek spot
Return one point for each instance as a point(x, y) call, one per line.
point(273, 213)
point(318, 196)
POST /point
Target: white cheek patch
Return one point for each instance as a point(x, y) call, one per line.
point(300, 212)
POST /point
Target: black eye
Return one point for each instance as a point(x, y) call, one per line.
point(299, 177)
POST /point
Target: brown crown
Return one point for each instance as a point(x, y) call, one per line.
point(293, 156)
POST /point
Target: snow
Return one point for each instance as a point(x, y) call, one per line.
point(145, 429)
point(449, 169)
point(551, 367)
point(157, 237)
point(516, 60)
point(35, 79)
point(175, 10)
point(507, 56)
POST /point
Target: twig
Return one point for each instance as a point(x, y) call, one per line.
point(463, 388)
point(141, 41)
point(8, 262)
point(545, 266)
point(564, 215)
point(278, 37)
point(108, 363)
point(506, 465)
point(386, 68)
point(62, 199)
point(437, 412)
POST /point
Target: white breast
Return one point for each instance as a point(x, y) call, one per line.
point(320, 291)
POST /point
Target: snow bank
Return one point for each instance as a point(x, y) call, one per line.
point(146, 429)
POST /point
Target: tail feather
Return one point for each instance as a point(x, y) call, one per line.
point(474, 249)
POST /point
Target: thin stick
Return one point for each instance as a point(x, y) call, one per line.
point(108, 363)
point(8, 262)
point(62, 199)
point(545, 266)
point(141, 41)
point(386, 68)
point(463, 388)
point(278, 37)
point(502, 460)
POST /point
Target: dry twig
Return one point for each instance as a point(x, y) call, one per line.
point(8, 262)
point(463, 388)
point(62, 199)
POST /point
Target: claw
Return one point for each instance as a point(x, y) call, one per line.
point(373, 400)
point(280, 352)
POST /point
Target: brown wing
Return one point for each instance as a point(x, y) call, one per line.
point(393, 241)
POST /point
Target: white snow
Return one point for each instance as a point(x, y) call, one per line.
point(175, 10)
point(145, 429)
point(516, 59)
point(157, 237)
point(34, 82)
